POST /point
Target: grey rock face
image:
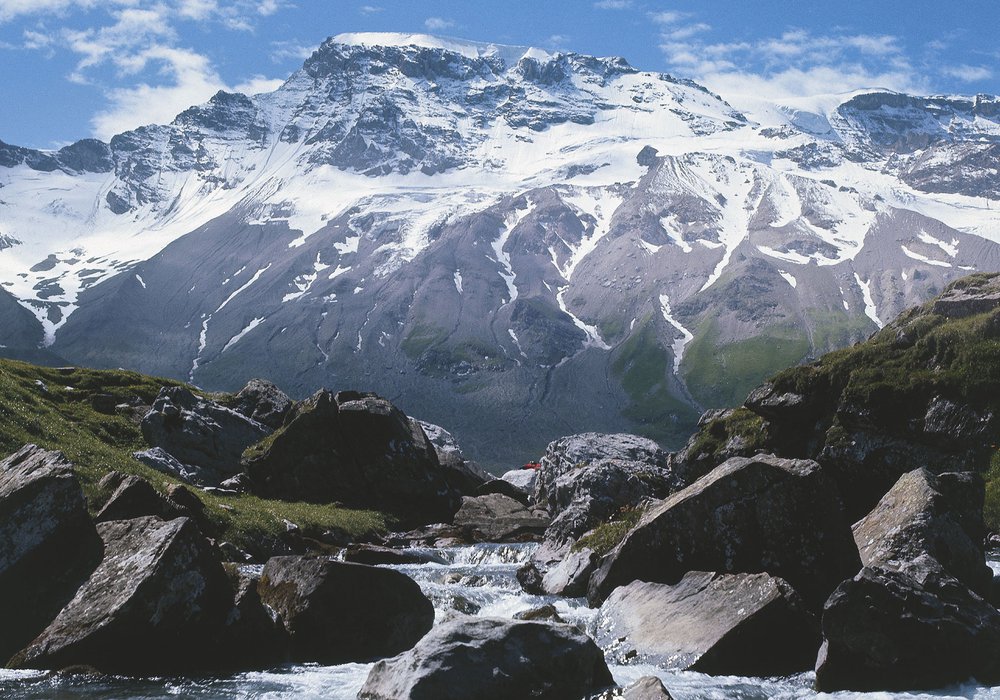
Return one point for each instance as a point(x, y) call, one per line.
point(747, 515)
point(464, 475)
point(498, 518)
point(162, 461)
point(337, 613)
point(889, 630)
point(926, 515)
point(158, 582)
point(48, 546)
point(252, 637)
point(200, 432)
point(263, 402)
point(720, 624)
point(575, 451)
point(135, 497)
point(501, 659)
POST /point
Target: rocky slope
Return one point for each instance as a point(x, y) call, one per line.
point(502, 240)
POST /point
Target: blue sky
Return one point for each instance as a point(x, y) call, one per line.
point(79, 68)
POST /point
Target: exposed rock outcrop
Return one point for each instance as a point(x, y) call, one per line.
point(492, 659)
point(937, 516)
point(356, 449)
point(889, 630)
point(263, 402)
point(135, 497)
point(337, 613)
point(748, 515)
point(720, 624)
point(154, 605)
point(575, 451)
point(199, 432)
point(48, 546)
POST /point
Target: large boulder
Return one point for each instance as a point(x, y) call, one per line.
point(252, 636)
point(463, 474)
point(720, 624)
point(135, 497)
point(574, 451)
point(263, 402)
point(890, 630)
point(199, 432)
point(492, 659)
point(588, 495)
point(337, 613)
point(48, 546)
point(937, 516)
point(162, 461)
point(154, 605)
point(748, 515)
point(356, 449)
point(498, 518)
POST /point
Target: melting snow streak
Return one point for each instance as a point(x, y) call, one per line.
point(686, 336)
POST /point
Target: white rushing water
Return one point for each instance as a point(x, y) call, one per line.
point(479, 580)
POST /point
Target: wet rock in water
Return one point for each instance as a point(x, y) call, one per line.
point(493, 659)
point(937, 516)
point(252, 636)
point(558, 569)
point(262, 401)
point(356, 449)
point(747, 515)
point(922, 629)
point(48, 545)
point(199, 432)
point(646, 688)
point(135, 497)
point(546, 612)
point(338, 613)
point(154, 605)
point(498, 518)
point(374, 555)
point(719, 624)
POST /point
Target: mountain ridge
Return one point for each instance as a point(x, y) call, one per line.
point(555, 244)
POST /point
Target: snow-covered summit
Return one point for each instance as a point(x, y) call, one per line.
point(470, 49)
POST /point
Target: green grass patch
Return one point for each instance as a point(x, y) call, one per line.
point(605, 537)
point(421, 338)
point(721, 375)
point(643, 367)
point(713, 437)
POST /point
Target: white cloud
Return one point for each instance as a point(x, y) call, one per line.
point(613, 4)
point(436, 24)
point(967, 74)
point(669, 17)
point(289, 50)
point(557, 40)
point(369, 9)
point(258, 84)
point(794, 63)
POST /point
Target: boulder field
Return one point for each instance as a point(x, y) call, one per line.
point(834, 522)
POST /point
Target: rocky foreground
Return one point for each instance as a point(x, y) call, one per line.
point(835, 522)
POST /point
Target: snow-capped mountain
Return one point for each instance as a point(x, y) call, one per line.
point(513, 243)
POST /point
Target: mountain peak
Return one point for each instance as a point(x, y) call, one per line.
point(470, 49)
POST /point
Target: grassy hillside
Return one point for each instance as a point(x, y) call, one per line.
point(52, 408)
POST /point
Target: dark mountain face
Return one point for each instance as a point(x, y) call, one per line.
point(512, 243)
